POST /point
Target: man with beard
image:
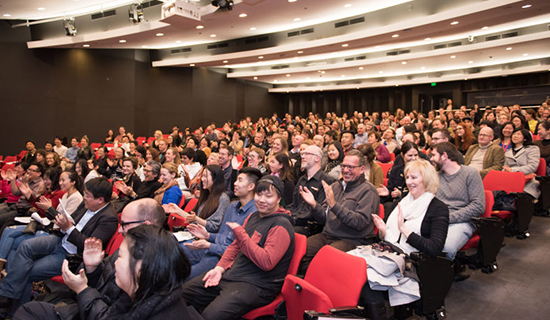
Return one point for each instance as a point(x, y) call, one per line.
point(461, 189)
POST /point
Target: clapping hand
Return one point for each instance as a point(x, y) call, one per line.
point(329, 194)
point(307, 196)
point(77, 283)
point(212, 278)
point(401, 222)
point(380, 224)
point(382, 190)
point(173, 208)
point(198, 231)
point(44, 203)
point(93, 254)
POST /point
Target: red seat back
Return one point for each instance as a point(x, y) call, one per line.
point(175, 220)
point(300, 246)
point(385, 168)
point(191, 204)
point(489, 202)
point(506, 181)
point(338, 274)
point(10, 159)
point(541, 169)
point(392, 157)
point(114, 243)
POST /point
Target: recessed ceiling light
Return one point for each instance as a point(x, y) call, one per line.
point(275, 80)
point(322, 72)
point(345, 45)
point(287, 75)
point(380, 72)
point(404, 62)
point(343, 76)
point(144, 46)
point(199, 27)
point(191, 64)
point(255, 78)
point(485, 28)
point(525, 54)
point(297, 19)
point(526, 6)
point(299, 52)
point(225, 61)
point(347, 5)
point(160, 34)
point(361, 68)
point(260, 57)
point(454, 23)
point(213, 36)
point(307, 78)
point(41, 9)
point(509, 48)
point(242, 15)
point(395, 36)
point(292, 0)
point(296, 58)
point(428, 39)
point(7, 15)
point(122, 41)
point(86, 45)
point(422, 68)
point(470, 62)
point(452, 57)
point(179, 41)
point(252, 29)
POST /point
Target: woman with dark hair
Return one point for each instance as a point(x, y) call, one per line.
point(146, 252)
point(68, 185)
point(279, 165)
point(213, 201)
point(152, 155)
point(519, 122)
point(544, 143)
point(82, 169)
point(382, 153)
point(373, 172)
point(396, 178)
point(110, 136)
point(335, 158)
point(464, 137)
point(505, 138)
point(40, 157)
point(524, 157)
point(204, 146)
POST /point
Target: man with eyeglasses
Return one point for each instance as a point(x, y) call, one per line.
point(312, 180)
point(485, 156)
point(443, 135)
point(41, 258)
point(98, 272)
point(30, 188)
point(346, 212)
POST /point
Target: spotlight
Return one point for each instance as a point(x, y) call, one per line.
point(135, 13)
point(223, 4)
point(70, 28)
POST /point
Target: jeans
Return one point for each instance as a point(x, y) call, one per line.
point(12, 237)
point(457, 236)
point(201, 261)
point(35, 260)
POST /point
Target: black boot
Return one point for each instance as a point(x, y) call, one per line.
point(376, 311)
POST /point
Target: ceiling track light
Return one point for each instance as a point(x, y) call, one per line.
point(135, 13)
point(223, 4)
point(70, 27)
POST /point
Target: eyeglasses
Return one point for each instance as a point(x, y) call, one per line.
point(33, 170)
point(124, 224)
point(347, 166)
point(307, 154)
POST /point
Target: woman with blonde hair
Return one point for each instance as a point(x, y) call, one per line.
point(170, 191)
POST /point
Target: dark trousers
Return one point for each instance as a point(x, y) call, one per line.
point(228, 300)
point(316, 242)
point(36, 310)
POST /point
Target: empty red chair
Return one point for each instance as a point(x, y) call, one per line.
point(141, 140)
point(22, 154)
point(333, 279)
point(506, 181)
point(489, 202)
point(10, 159)
point(95, 145)
point(300, 246)
point(385, 168)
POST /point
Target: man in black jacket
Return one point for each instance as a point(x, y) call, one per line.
point(41, 258)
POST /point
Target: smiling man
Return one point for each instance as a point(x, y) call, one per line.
point(246, 276)
point(485, 156)
point(346, 212)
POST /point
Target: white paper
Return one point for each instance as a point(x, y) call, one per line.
point(183, 235)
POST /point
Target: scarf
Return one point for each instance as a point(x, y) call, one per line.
point(159, 194)
point(414, 211)
point(332, 164)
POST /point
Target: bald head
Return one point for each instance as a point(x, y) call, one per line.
point(147, 210)
point(485, 136)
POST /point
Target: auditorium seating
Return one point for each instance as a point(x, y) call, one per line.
point(300, 246)
point(333, 279)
